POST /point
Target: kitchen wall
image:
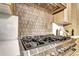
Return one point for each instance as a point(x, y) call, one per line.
point(59, 17)
point(33, 20)
point(70, 14)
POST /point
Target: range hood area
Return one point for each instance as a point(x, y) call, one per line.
point(5, 9)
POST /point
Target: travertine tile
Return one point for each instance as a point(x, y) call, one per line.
point(34, 19)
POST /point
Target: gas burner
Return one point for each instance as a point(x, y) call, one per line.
point(36, 41)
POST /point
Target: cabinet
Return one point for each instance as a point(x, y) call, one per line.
point(6, 8)
point(9, 45)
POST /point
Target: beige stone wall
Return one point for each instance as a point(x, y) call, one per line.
point(33, 20)
point(58, 18)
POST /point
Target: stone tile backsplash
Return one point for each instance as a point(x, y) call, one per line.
point(33, 20)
